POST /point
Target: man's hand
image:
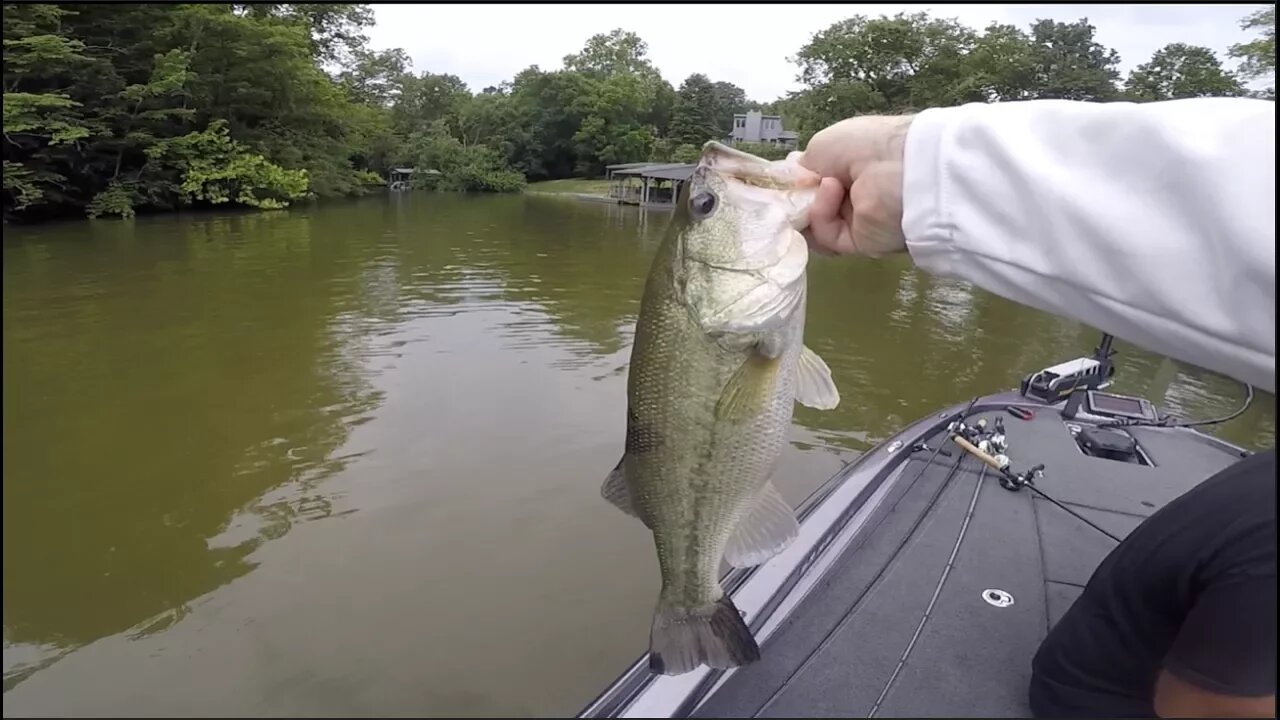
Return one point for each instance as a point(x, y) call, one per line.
point(858, 210)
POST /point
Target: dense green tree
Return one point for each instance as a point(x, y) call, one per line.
point(1177, 71)
point(96, 94)
point(896, 64)
point(729, 100)
point(882, 65)
point(694, 120)
point(625, 104)
point(334, 30)
point(376, 78)
point(120, 108)
point(1001, 64)
point(548, 114)
point(685, 153)
point(461, 167)
point(618, 52)
point(44, 126)
point(1069, 64)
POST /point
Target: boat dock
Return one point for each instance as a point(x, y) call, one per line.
point(402, 178)
point(647, 184)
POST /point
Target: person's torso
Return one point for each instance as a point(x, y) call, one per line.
point(1104, 655)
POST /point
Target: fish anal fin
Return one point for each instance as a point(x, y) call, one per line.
point(814, 386)
point(615, 489)
point(766, 530)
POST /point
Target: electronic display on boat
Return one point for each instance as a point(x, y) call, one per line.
point(1101, 403)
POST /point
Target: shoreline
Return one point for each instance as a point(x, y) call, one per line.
point(587, 197)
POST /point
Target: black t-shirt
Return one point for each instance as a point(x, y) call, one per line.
point(1191, 590)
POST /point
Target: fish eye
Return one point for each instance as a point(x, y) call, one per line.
point(702, 204)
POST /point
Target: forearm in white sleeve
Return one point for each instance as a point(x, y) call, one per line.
point(1154, 222)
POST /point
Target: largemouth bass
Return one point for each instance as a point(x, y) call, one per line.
point(717, 365)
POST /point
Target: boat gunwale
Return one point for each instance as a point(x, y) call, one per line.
point(621, 697)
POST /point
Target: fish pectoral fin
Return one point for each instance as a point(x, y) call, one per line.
point(766, 530)
point(747, 391)
point(615, 489)
point(814, 386)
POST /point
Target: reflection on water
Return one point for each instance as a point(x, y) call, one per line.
point(441, 381)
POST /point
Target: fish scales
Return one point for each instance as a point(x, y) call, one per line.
point(717, 365)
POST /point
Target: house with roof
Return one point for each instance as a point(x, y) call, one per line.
point(756, 127)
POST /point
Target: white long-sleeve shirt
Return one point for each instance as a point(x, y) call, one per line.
point(1153, 222)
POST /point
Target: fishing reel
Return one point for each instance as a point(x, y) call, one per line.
point(1013, 482)
point(991, 442)
point(991, 446)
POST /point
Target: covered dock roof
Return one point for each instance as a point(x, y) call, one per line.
point(663, 171)
point(659, 183)
point(670, 172)
point(624, 166)
point(611, 170)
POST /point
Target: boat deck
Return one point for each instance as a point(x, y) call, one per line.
point(900, 626)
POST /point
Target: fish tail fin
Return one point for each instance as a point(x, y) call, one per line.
point(714, 634)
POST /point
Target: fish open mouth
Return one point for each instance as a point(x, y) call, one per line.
point(754, 181)
point(734, 164)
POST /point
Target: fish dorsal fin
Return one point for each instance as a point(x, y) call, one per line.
point(814, 386)
point(615, 489)
point(766, 530)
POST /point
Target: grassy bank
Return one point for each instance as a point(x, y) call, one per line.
point(571, 186)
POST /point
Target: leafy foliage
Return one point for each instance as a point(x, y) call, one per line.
point(694, 120)
point(1259, 55)
point(1069, 64)
point(685, 153)
point(122, 108)
point(764, 150)
point(111, 109)
point(217, 169)
point(911, 62)
point(461, 167)
point(891, 64)
point(1178, 71)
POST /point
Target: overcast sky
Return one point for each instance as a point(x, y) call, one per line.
point(747, 45)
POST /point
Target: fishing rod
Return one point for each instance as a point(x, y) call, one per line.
point(980, 443)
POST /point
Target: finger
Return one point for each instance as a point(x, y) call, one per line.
point(827, 228)
point(827, 201)
point(827, 154)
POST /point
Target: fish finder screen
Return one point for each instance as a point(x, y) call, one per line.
point(1116, 404)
